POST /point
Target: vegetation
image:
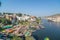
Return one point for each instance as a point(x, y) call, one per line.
point(29, 38)
point(24, 22)
point(16, 38)
point(8, 13)
point(38, 20)
point(20, 14)
point(1, 29)
point(4, 21)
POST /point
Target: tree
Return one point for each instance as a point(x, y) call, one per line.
point(29, 38)
point(16, 38)
point(20, 14)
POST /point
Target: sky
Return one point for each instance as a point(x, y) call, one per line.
point(31, 7)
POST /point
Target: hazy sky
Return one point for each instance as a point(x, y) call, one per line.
point(33, 7)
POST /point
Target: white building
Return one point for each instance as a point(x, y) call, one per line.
point(23, 18)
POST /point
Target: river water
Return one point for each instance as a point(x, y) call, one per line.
point(51, 30)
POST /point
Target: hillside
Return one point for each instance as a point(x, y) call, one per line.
point(55, 17)
point(56, 14)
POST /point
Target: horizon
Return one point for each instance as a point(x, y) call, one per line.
point(31, 7)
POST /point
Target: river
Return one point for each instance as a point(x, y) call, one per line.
point(51, 30)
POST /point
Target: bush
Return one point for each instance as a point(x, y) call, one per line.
point(16, 38)
point(5, 21)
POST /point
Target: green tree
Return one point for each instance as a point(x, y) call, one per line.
point(16, 38)
point(29, 38)
point(20, 14)
point(5, 21)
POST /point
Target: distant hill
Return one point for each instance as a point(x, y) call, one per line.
point(54, 18)
point(56, 15)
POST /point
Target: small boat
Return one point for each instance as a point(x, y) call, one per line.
point(7, 26)
point(9, 30)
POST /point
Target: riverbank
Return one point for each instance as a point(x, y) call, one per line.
point(12, 24)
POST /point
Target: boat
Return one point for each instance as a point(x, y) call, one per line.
point(7, 26)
